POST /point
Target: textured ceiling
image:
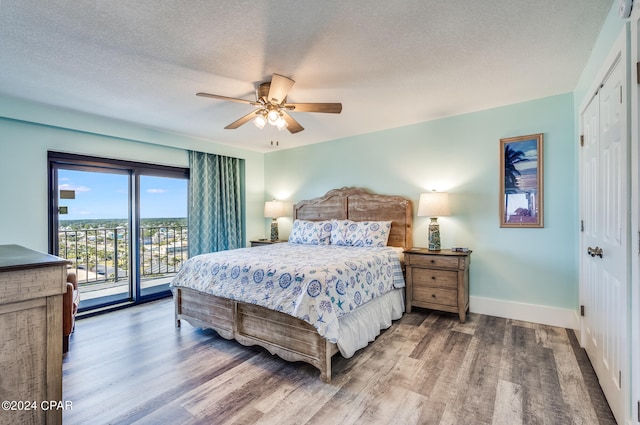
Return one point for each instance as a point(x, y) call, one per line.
point(391, 63)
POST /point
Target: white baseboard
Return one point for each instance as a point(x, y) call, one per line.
point(545, 315)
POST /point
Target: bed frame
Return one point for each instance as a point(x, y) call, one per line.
point(286, 336)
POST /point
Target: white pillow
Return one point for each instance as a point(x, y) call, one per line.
point(324, 232)
point(373, 233)
point(310, 232)
point(344, 232)
point(360, 233)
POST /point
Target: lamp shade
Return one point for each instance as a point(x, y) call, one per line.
point(434, 204)
point(273, 116)
point(260, 121)
point(274, 209)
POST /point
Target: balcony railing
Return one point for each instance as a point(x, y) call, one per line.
point(102, 255)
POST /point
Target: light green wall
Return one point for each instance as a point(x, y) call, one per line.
point(28, 131)
point(461, 155)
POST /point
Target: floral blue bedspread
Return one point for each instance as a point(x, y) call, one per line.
point(315, 283)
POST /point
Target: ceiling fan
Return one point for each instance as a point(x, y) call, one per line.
point(272, 107)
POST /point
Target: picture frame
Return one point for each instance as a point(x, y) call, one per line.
point(521, 197)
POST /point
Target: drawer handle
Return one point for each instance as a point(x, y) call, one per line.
point(433, 295)
point(433, 261)
point(433, 277)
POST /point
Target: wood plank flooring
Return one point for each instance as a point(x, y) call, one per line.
point(133, 367)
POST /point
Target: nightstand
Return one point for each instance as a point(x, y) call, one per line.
point(438, 280)
point(261, 242)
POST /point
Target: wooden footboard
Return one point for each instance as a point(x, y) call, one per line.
point(285, 336)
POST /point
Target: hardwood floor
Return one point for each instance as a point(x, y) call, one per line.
point(133, 366)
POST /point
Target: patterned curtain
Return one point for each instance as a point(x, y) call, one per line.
point(215, 217)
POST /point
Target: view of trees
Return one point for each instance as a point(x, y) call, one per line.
point(511, 158)
point(100, 247)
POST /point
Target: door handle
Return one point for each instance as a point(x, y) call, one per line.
point(597, 251)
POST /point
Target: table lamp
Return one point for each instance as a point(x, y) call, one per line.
point(274, 209)
point(433, 205)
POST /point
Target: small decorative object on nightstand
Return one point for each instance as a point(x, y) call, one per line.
point(438, 280)
point(274, 209)
point(260, 242)
point(433, 205)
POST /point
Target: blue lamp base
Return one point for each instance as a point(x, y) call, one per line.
point(274, 229)
point(434, 235)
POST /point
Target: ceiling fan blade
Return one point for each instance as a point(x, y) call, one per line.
point(237, 123)
point(329, 108)
point(232, 99)
point(293, 125)
point(279, 88)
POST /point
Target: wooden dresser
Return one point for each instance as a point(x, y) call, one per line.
point(438, 280)
point(31, 288)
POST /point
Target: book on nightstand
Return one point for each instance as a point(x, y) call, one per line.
point(459, 249)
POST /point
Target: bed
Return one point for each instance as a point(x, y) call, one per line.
point(272, 326)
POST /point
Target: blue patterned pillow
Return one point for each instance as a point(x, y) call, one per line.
point(344, 232)
point(373, 233)
point(304, 232)
point(324, 232)
point(310, 232)
point(361, 233)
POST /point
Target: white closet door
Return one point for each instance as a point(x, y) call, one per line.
point(592, 324)
point(604, 273)
point(635, 220)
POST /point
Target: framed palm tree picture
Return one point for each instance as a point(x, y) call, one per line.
point(521, 181)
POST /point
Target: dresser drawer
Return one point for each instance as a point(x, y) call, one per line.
point(433, 261)
point(434, 278)
point(442, 296)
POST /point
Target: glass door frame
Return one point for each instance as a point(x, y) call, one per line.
point(138, 233)
point(62, 160)
point(54, 218)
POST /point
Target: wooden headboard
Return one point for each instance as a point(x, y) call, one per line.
point(357, 204)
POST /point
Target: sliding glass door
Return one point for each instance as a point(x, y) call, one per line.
point(122, 226)
point(164, 239)
point(93, 232)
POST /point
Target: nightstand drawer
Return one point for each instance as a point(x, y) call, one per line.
point(434, 261)
point(426, 294)
point(435, 278)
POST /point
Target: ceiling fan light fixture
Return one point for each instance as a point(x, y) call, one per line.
point(282, 124)
point(273, 116)
point(260, 121)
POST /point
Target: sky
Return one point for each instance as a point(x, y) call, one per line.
point(530, 149)
point(104, 195)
